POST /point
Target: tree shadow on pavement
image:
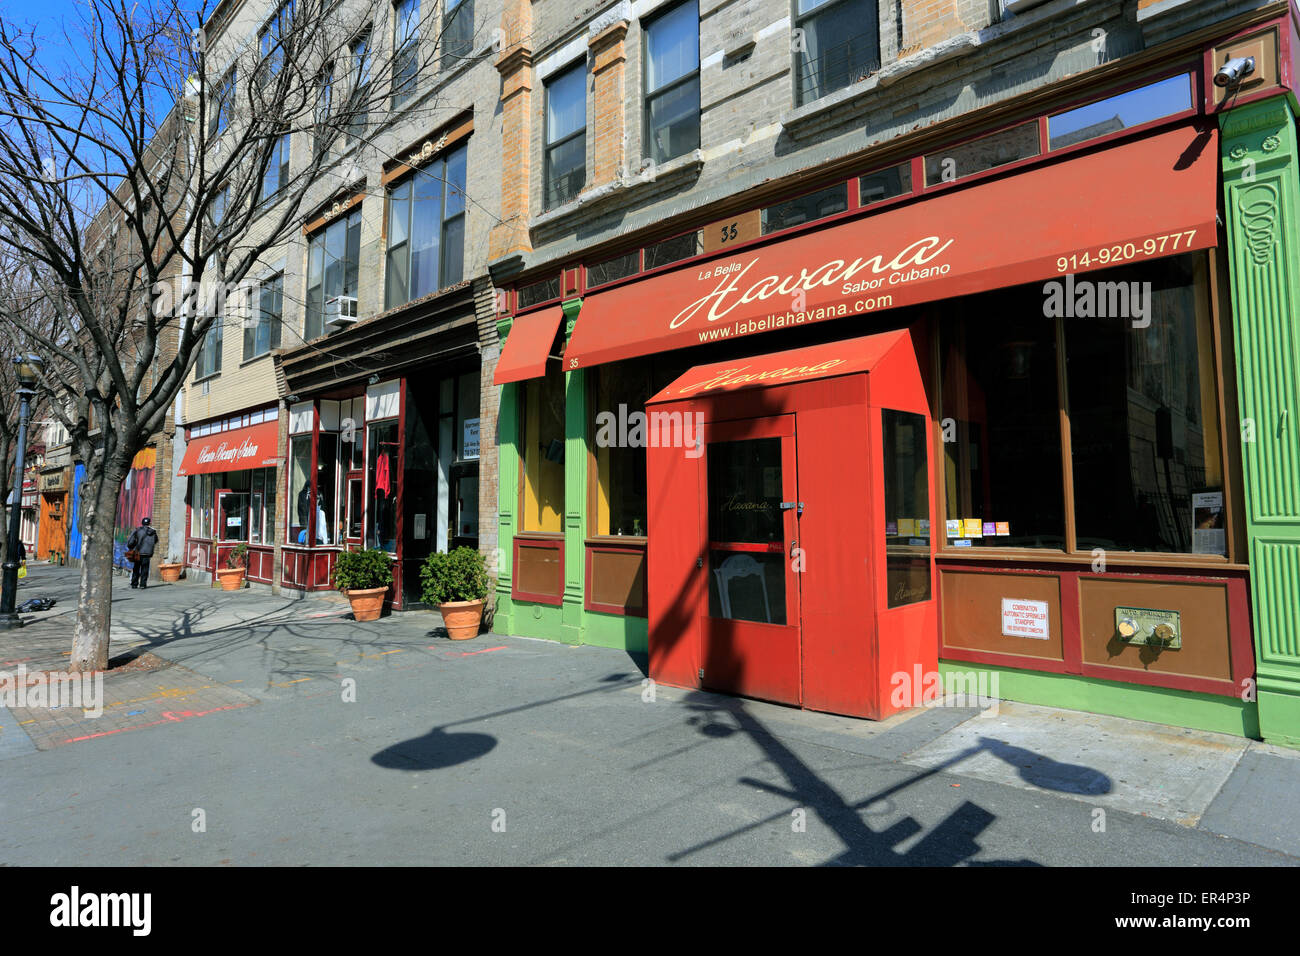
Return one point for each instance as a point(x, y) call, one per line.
point(435, 750)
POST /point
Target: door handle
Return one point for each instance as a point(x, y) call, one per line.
point(787, 505)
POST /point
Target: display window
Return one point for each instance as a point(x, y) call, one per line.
point(1086, 417)
point(542, 453)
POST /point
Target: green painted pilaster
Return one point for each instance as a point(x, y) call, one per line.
point(575, 485)
point(1261, 197)
point(507, 495)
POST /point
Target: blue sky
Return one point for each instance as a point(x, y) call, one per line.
point(49, 17)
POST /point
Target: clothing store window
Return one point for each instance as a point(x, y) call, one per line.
point(299, 487)
point(382, 479)
point(327, 520)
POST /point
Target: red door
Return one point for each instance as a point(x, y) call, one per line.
point(751, 626)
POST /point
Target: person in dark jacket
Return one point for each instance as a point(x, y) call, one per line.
point(142, 541)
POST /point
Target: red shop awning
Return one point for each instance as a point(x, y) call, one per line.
point(234, 450)
point(784, 368)
point(527, 346)
point(1153, 197)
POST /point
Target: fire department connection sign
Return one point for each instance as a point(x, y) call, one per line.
point(1025, 619)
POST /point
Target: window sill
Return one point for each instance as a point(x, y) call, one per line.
point(1114, 559)
point(206, 379)
point(622, 191)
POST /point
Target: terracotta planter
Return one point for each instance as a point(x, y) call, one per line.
point(170, 572)
point(232, 579)
point(367, 603)
point(462, 618)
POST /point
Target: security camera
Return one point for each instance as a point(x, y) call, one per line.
point(1234, 71)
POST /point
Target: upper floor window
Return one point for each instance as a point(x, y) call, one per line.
point(333, 255)
point(262, 331)
point(426, 230)
point(222, 104)
point(565, 167)
point(457, 31)
point(672, 83)
point(272, 40)
point(324, 132)
point(207, 361)
point(406, 49)
point(836, 42)
point(360, 93)
point(277, 169)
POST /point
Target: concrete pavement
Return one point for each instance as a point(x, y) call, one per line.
point(385, 743)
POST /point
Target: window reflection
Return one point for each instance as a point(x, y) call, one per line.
point(1124, 111)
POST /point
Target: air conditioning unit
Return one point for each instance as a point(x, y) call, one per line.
point(341, 311)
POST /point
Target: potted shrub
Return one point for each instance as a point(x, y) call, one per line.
point(232, 575)
point(364, 576)
point(170, 570)
point(457, 583)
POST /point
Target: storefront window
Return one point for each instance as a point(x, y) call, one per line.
point(1138, 396)
point(907, 507)
point(246, 509)
point(1144, 425)
point(618, 396)
point(542, 451)
point(382, 482)
point(1001, 424)
point(327, 520)
point(299, 487)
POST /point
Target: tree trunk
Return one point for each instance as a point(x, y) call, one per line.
point(95, 610)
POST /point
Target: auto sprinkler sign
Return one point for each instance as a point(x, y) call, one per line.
point(1025, 619)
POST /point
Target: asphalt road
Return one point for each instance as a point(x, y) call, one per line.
point(509, 751)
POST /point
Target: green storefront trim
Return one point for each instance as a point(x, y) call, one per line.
point(569, 622)
point(1159, 705)
point(1260, 193)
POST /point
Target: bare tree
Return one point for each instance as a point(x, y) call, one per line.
point(142, 188)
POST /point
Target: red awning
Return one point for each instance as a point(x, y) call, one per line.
point(1153, 197)
point(784, 368)
point(234, 450)
point(527, 346)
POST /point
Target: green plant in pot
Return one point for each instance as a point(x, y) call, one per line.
point(364, 576)
point(232, 575)
point(458, 583)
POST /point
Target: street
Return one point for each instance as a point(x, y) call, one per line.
point(240, 747)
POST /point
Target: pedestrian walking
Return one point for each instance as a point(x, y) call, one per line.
point(139, 549)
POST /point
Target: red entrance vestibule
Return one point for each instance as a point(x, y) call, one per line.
point(792, 496)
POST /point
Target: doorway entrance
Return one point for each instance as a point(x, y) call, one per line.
point(751, 620)
point(791, 557)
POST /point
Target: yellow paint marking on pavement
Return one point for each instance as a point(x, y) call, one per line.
point(288, 682)
point(398, 650)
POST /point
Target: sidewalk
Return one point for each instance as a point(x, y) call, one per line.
point(246, 716)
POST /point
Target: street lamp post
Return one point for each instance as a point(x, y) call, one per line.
point(29, 371)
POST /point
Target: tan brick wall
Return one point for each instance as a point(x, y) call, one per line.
point(609, 64)
point(516, 67)
point(928, 22)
